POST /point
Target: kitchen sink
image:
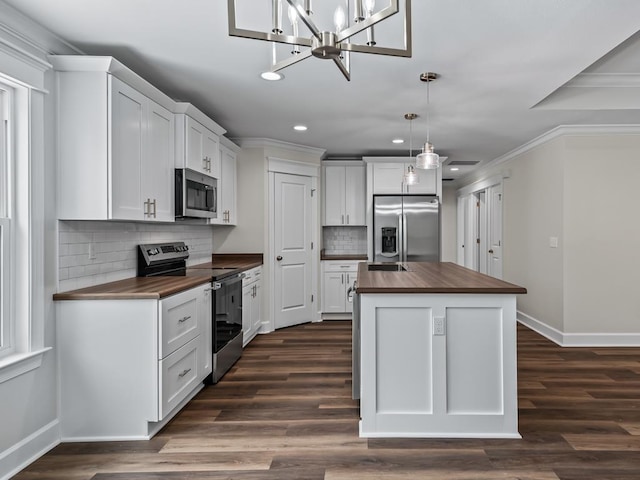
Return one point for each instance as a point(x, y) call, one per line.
point(386, 267)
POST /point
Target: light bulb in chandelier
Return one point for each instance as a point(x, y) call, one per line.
point(339, 19)
point(428, 159)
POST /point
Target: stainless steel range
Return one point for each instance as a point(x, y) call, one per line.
point(226, 284)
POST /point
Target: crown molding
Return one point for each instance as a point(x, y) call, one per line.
point(269, 142)
point(30, 36)
point(559, 131)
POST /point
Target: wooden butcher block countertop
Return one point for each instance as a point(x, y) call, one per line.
point(431, 277)
point(163, 286)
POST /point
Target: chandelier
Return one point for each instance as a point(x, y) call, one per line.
point(336, 44)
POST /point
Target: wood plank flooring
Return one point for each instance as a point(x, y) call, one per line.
point(285, 412)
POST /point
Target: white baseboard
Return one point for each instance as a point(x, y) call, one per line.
point(29, 450)
point(542, 328)
point(579, 339)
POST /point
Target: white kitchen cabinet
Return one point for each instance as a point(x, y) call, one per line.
point(337, 282)
point(344, 195)
point(115, 144)
point(198, 147)
point(128, 365)
point(251, 304)
point(227, 200)
point(389, 178)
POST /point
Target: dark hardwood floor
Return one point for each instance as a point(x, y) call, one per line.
point(285, 412)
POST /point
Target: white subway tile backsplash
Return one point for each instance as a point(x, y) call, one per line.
point(345, 240)
point(114, 246)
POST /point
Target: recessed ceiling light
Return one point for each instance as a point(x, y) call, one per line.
point(454, 169)
point(300, 128)
point(397, 140)
point(271, 76)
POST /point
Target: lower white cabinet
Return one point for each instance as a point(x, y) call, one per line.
point(251, 304)
point(337, 281)
point(127, 366)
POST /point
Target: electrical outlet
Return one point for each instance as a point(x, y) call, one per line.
point(438, 326)
point(92, 251)
point(553, 242)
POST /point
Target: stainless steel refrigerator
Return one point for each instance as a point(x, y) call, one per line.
point(406, 228)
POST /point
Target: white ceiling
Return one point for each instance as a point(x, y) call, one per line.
point(496, 60)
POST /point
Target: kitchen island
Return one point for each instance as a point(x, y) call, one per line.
point(437, 349)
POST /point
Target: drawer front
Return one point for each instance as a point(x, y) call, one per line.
point(339, 266)
point(179, 322)
point(252, 275)
point(178, 376)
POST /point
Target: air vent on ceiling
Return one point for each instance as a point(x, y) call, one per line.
point(448, 179)
point(462, 162)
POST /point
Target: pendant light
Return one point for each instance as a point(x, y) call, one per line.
point(428, 159)
point(411, 177)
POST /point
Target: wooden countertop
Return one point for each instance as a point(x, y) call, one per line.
point(436, 277)
point(135, 288)
point(160, 287)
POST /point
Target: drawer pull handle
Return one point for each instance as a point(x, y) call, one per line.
point(184, 319)
point(184, 372)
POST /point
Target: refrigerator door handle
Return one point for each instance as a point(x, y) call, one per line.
point(405, 243)
point(400, 241)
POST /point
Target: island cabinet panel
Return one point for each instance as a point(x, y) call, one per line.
point(438, 365)
point(405, 382)
point(474, 372)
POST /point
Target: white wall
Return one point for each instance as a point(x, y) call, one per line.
point(28, 402)
point(602, 234)
point(248, 235)
point(580, 189)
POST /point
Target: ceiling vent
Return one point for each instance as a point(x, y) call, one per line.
point(462, 162)
point(448, 179)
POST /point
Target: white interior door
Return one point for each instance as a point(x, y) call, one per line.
point(494, 199)
point(483, 227)
point(292, 250)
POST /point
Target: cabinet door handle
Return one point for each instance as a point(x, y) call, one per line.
point(347, 219)
point(184, 372)
point(184, 319)
point(154, 208)
point(279, 258)
point(342, 220)
point(348, 278)
point(147, 208)
point(342, 277)
point(490, 251)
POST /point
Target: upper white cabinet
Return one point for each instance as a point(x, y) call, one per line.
point(344, 195)
point(388, 177)
point(115, 143)
point(197, 141)
point(227, 183)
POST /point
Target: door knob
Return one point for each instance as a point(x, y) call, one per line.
point(279, 257)
point(490, 251)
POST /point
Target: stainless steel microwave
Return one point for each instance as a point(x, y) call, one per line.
point(196, 194)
